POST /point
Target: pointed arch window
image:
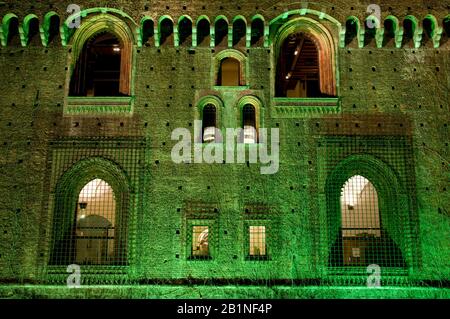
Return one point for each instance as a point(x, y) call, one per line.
point(305, 60)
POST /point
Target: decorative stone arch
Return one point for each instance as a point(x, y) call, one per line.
point(231, 30)
point(107, 22)
point(417, 30)
point(25, 34)
point(265, 35)
point(46, 27)
point(196, 31)
point(436, 30)
point(5, 30)
point(158, 33)
point(393, 200)
point(177, 28)
point(344, 33)
point(142, 35)
point(235, 54)
point(65, 198)
point(209, 100)
point(326, 46)
point(116, 16)
point(213, 29)
point(397, 30)
point(373, 22)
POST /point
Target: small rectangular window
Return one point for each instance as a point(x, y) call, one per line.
point(200, 245)
point(257, 241)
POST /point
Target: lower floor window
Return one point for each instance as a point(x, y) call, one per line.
point(257, 241)
point(200, 245)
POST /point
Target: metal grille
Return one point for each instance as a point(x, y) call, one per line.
point(95, 224)
point(257, 241)
point(363, 241)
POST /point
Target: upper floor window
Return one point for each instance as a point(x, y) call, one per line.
point(98, 68)
point(299, 68)
point(305, 60)
point(229, 72)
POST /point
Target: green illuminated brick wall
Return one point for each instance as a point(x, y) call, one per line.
point(393, 106)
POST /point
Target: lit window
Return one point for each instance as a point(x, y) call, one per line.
point(95, 224)
point(299, 68)
point(249, 124)
point(229, 72)
point(200, 247)
point(364, 241)
point(98, 68)
point(209, 123)
point(257, 241)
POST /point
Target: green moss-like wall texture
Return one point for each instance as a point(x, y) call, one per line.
point(388, 121)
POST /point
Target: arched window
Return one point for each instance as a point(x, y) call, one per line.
point(257, 37)
point(363, 239)
point(209, 123)
point(299, 74)
point(239, 32)
point(221, 32)
point(203, 30)
point(148, 32)
point(249, 127)
point(99, 68)
point(351, 30)
point(229, 72)
point(166, 32)
point(90, 215)
point(95, 224)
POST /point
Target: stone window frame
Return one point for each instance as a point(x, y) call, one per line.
point(75, 40)
point(65, 197)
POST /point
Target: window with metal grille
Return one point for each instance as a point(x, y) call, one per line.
point(363, 240)
point(209, 123)
point(95, 223)
point(257, 241)
point(200, 244)
point(94, 233)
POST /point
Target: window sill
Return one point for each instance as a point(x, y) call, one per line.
point(292, 107)
point(231, 88)
point(98, 105)
point(257, 258)
point(90, 269)
point(199, 258)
